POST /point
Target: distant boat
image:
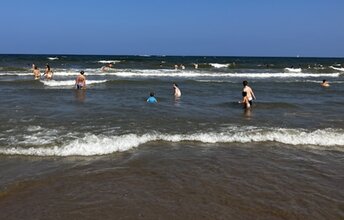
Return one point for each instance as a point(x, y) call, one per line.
point(293, 70)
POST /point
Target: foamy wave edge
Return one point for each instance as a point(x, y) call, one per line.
point(100, 145)
point(54, 83)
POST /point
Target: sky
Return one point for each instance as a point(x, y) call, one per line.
point(305, 28)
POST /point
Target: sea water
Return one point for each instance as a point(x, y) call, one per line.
point(105, 151)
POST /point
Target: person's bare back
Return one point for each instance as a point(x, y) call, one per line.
point(36, 72)
point(249, 91)
point(177, 92)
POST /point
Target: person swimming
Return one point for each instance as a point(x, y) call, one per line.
point(107, 67)
point(151, 98)
point(325, 83)
point(80, 81)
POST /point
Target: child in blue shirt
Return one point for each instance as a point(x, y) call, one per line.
point(151, 98)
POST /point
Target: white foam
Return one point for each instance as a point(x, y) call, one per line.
point(179, 73)
point(57, 72)
point(74, 72)
point(219, 65)
point(108, 61)
point(293, 70)
point(337, 68)
point(16, 74)
point(55, 83)
point(31, 135)
point(193, 74)
point(53, 58)
point(34, 128)
point(100, 144)
point(65, 73)
point(159, 73)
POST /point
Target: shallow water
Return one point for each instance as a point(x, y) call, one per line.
point(104, 152)
point(179, 181)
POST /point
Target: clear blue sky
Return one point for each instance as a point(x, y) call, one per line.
point(173, 27)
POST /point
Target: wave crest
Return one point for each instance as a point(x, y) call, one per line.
point(99, 144)
point(219, 65)
point(54, 83)
point(108, 61)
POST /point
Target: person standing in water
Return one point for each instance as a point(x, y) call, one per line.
point(245, 100)
point(48, 73)
point(176, 91)
point(249, 92)
point(36, 72)
point(80, 81)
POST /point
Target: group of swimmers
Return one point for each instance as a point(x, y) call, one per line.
point(48, 73)
point(247, 94)
point(176, 92)
point(80, 83)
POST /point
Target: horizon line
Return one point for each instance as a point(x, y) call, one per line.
point(157, 55)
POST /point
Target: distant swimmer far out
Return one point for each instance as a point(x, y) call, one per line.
point(248, 90)
point(176, 91)
point(325, 83)
point(36, 72)
point(151, 98)
point(80, 82)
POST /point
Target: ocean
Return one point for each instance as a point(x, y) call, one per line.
point(105, 153)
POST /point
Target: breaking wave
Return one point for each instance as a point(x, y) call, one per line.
point(92, 144)
point(108, 61)
point(52, 58)
point(219, 65)
point(170, 73)
point(54, 83)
